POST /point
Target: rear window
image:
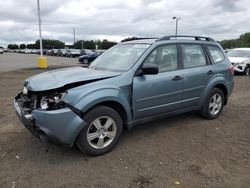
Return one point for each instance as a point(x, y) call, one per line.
point(216, 54)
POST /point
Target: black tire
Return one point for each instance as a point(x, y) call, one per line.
point(97, 112)
point(85, 61)
point(206, 111)
point(247, 70)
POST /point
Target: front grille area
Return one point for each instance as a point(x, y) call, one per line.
point(28, 102)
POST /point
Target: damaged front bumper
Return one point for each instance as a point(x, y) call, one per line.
point(57, 126)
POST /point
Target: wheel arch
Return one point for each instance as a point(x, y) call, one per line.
point(223, 88)
point(114, 98)
point(117, 106)
point(217, 82)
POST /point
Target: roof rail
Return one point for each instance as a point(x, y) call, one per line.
point(168, 37)
point(139, 38)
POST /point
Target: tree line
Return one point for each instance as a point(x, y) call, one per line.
point(57, 44)
point(242, 41)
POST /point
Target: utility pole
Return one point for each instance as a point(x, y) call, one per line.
point(176, 24)
point(40, 30)
point(74, 35)
point(41, 61)
point(82, 44)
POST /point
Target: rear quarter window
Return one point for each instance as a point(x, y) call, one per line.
point(216, 54)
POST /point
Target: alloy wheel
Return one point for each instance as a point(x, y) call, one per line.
point(101, 132)
point(215, 104)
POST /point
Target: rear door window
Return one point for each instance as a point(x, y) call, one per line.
point(193, 55)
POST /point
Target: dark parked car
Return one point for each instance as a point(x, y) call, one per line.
point(73, 53)
point(86, 59)
point(133, 82)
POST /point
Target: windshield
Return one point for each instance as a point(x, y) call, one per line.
point(238, 53)
point(119, 58)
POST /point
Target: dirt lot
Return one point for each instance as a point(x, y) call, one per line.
point(184, 149)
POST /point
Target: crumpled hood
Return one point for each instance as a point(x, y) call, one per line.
point(238, 59)
point(58, 78)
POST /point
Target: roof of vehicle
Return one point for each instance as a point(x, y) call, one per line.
point(240, 49)
point(141, 41)
point(179, 38)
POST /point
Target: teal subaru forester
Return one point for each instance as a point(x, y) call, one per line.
point(131, 83)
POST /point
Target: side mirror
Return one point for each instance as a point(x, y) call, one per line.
point(149, 68)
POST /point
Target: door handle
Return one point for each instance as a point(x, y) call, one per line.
point(210, 72)
point(176, 78)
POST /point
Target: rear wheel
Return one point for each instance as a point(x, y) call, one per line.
point(102, 132)
point(214, 104)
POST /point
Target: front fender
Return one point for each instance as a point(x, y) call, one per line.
point(104, 95)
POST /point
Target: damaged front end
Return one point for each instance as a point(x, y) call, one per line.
point(48, 117)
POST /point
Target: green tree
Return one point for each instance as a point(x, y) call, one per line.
point(22, 46)
point(84, 44)
point(31, 46)
point(105, 44)
point(242, 41)
point(50, 44)
point(13, 46)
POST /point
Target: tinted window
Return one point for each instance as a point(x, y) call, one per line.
point(165, 57)
point(193, 56)
point(216, 54)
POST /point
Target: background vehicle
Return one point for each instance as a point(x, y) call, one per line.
point(44, 51)
point(61, 52)
point(27, 51)
point(86, 51)
point(1, 51)
point(240, 59)
point(133, 82)
point(73, 53)
point(86, 59)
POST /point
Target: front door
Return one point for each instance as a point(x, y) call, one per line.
point(161, 93)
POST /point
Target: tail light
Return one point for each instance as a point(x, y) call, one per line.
point(231, 69)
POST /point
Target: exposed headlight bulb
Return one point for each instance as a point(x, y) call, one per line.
point(44, 104)
point(51, 101)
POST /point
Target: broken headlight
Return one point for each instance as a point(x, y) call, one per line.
point(52, 102)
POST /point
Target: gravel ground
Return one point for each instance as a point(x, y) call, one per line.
point(181, 151)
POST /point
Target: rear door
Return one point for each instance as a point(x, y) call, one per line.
point(197, 72)
point(160, 93)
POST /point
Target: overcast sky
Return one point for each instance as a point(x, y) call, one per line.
point(117, 19)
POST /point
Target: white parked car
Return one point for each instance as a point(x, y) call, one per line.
point(240, 59)
point(1, 51)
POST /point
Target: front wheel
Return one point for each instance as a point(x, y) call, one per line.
point(214, 104)
point(102, 132)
